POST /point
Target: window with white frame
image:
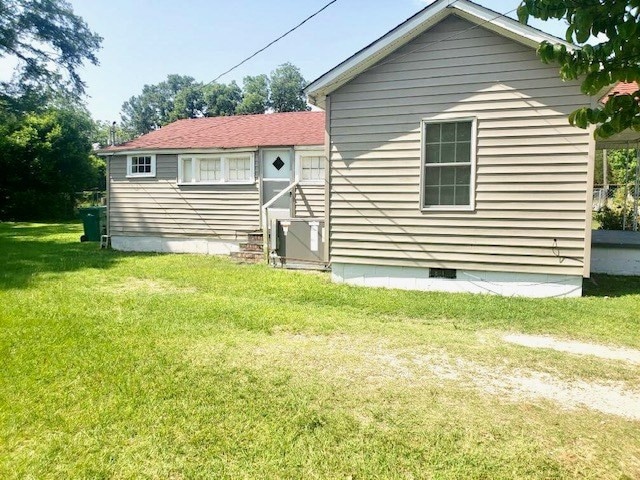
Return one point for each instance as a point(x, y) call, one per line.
point(141, 165)
point(311, 167)
point(212, 169)
point(448, 159)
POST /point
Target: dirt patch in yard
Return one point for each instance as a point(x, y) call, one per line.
point(344, 359)
point(579, 348)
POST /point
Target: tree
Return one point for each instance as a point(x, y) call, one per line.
point(155, 106)
point(221, 99)
point(49, 43)
point(45, 158)
point(181, 96)
point(189, 103)
point(286, 89)
point(617, 58)
point(255, 95)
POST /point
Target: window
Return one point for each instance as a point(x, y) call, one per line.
point(211, 169)
point(448, 160)
point(311, 167)
point(141, 166)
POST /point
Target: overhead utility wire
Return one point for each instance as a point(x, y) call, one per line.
point(273, 41)
point(430, 44)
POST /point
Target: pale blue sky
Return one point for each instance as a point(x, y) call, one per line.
point(145, 40)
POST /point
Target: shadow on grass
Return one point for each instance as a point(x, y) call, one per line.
point(30, 249)
point(610, 286)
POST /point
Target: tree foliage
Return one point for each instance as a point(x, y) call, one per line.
point(45, 158)
point(48, 41)
point(221, 99)
point(286, 89)
point(255, 97)
point(614, 59)
point(156, 105)
point(181, 97)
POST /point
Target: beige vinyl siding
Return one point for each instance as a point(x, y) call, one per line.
point(531, 171)
point(159, 206)
point(309, 201)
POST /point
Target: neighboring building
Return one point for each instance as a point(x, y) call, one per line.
point(452, 165)
point(199, 185)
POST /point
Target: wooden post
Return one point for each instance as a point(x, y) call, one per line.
point(605, 178)
point(636, 192)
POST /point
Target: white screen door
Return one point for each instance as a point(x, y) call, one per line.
point(277, 169)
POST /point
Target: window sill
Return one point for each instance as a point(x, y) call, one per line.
point(195, 184)
point(141, 175)
point(449, 208)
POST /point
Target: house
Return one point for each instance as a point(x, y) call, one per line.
point(618, 252)
point(200, 185)
point(451, 162)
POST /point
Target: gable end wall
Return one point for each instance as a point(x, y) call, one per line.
point(532, 166)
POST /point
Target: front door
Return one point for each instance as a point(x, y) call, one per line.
point(277, 173)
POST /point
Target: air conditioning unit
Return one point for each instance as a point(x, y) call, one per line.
point(300, 241)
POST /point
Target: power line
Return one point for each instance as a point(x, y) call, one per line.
point(384, 62)
point(392, 58)
point(273, 41)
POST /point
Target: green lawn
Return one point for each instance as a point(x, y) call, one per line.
point(119, 365)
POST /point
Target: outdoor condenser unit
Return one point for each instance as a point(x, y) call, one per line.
point(300, 240)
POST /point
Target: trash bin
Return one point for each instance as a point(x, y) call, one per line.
point(94, 220)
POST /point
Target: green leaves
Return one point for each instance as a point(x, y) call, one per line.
point(49, 42)
point(523, 14)
point(47, 154)
point(181, 97)
point(599, 65)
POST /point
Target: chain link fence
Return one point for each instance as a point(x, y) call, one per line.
point(616, 206)
point(91, 198)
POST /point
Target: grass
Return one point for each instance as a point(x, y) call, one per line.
point(122, 365)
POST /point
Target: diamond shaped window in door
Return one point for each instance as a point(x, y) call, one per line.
point(278, 163)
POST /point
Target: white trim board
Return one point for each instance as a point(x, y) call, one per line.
point(467, 281)
point(413, 27)
point(203, 246)
point(615, 261)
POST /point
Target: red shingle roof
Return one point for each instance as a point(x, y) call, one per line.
point(621, 88)
point(266, 130)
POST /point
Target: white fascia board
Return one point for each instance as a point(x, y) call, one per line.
point(413, 27)
point(176, 151)
point(506, 26)
point(302, 148)
point(369, 55)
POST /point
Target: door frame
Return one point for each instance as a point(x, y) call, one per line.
point(292, 175)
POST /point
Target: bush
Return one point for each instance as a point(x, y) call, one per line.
point(612, 216)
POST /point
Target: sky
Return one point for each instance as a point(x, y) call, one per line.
point(146, 40)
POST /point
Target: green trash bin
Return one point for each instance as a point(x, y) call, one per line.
point(94, 220)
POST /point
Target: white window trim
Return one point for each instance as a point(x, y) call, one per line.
point(224, 157)
point(138, 175)
point(472, 183)
point(309, 153)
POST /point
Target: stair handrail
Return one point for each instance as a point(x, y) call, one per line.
point(265, 217)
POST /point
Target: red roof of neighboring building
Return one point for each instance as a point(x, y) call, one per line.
point(621, 88)
point(264, 130)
